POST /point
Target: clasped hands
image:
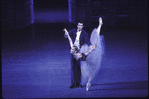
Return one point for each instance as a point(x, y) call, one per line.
point(92, 47)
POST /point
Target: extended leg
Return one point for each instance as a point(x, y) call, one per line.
point(99, 26)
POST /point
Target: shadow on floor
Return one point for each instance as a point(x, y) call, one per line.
point(121, 86)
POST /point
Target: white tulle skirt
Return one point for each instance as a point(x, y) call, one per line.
point(91, 66)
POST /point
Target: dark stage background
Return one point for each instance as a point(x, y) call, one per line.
point(36, 57)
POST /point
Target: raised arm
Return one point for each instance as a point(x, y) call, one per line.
point(68, 36)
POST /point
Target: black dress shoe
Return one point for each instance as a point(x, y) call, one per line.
point(72, 86)
point(80, 86)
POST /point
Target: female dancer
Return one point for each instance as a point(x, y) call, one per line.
point(91, 57)
point(91, 66)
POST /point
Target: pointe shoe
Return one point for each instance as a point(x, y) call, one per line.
point(87, 86)
point(100, 20)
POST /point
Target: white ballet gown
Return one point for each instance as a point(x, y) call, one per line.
point(91, 66)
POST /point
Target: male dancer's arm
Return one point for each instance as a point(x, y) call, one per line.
point(87, 40)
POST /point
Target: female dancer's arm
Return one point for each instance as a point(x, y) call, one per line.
point(73, 51)
point(92, 48)
point(69, 38)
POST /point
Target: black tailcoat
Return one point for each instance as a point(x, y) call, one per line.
point(75, 64)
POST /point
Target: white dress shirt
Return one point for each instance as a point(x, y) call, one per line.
point(76, 43)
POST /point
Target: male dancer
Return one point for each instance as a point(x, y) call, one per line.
point(79, 37)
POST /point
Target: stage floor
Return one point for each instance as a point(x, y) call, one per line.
point(36, 64)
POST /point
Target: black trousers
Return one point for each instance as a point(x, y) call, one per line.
point(75, 71)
